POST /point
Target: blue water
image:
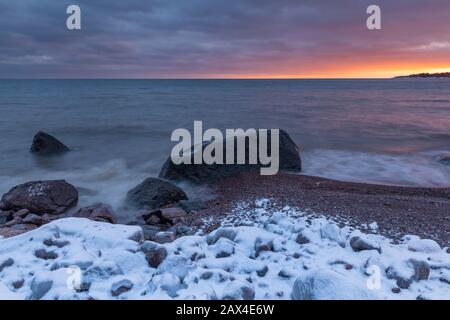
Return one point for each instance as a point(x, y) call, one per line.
point(383, 131)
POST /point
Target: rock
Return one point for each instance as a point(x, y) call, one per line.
point(56, 243)
point(421, 269)
point(182, 229)
point(45, 255)
point(302, 239)
point(18, 284)
point(51, 196)
point(402, 281)
point(150, 231)
point(120, 287)
point(289, 159)
point(24, 227)
point(45, 144)
point(423, 245)
point(97, 212)
point(191, 205)
point(33, 219)
point(261, 246)
point(22, 213)
point(262, 272)
point(225, 232)
point(238, 290)
point(332, 232)
point(13, 222)
point(325, 284)
point(164, 237)
point(224, 248)
point(444, 159)
point(155, 193)
point(360, 244)
point(169, 216)
point(154, 253)
point(396, 290)
point(39, 287)
point(175, 265)
point(5, 216)
point(6, 263)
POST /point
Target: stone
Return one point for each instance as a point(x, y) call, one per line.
point(120, 287)
point(326, 284)
point(402, 281)
point(155, 193)
point(97, 212)
point(224, 248)
point(5, 216)
point(289, 160)
point(33, 219)
point(262, 272)
point(261, 246)
point(164, 237)
point(302, 239)
point(191, 205)
point(421, 269)
point(45, 255)
point(154, 253)
point(238, 290)
point(423, 245)
point(18, 284)
point(45, 145)
point(39, 288)
point(224, 232)
point(51, 196)
point(360, 244)
point(332, 232)
point(150, 231)
point(22, 213)
point(6, 263)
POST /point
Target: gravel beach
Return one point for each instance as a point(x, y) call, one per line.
point(397, 210)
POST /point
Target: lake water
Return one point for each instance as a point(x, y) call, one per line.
point(379, 131)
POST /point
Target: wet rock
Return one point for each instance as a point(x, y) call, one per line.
point(5, 216)
point(226, 232)
point(39, 287)
point(6, 263)
point(51, 196)
point(45, 144)
point(150, 231)
point(154, 253)
point(289, 159)
point(45, 255)
point(181, 229)
point(97, 212)
point(191, 205)
point(164, 237)
point(33, 219)
point(155, 193)
point(120, 287)
point(360, 244)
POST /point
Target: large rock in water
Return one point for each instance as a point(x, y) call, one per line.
point(51, 196)
point(155, 193)
point(289, 159)
point(45, 144)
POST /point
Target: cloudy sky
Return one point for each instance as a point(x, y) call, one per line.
point(222, 39)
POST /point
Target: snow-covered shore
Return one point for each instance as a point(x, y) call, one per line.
point(263, 255)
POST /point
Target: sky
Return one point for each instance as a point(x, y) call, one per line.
point(223, 39)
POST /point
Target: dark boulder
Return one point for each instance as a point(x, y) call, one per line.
point(51, 196)
point(289, 160)
point(155, 193)
point(444, 159)
point(45, 144)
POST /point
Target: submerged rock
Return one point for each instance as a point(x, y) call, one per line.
point(45, 144)
point(289, 159)
point(51, 196)
point(155, 193)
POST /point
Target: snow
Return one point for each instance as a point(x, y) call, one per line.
point(254, 254)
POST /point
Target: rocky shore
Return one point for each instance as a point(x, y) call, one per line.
point(287, 230)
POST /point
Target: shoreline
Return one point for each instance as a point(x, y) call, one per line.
point(397, 210)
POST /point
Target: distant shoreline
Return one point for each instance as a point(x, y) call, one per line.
point(426, 75)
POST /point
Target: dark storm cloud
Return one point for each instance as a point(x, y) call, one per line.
point(177, 38)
